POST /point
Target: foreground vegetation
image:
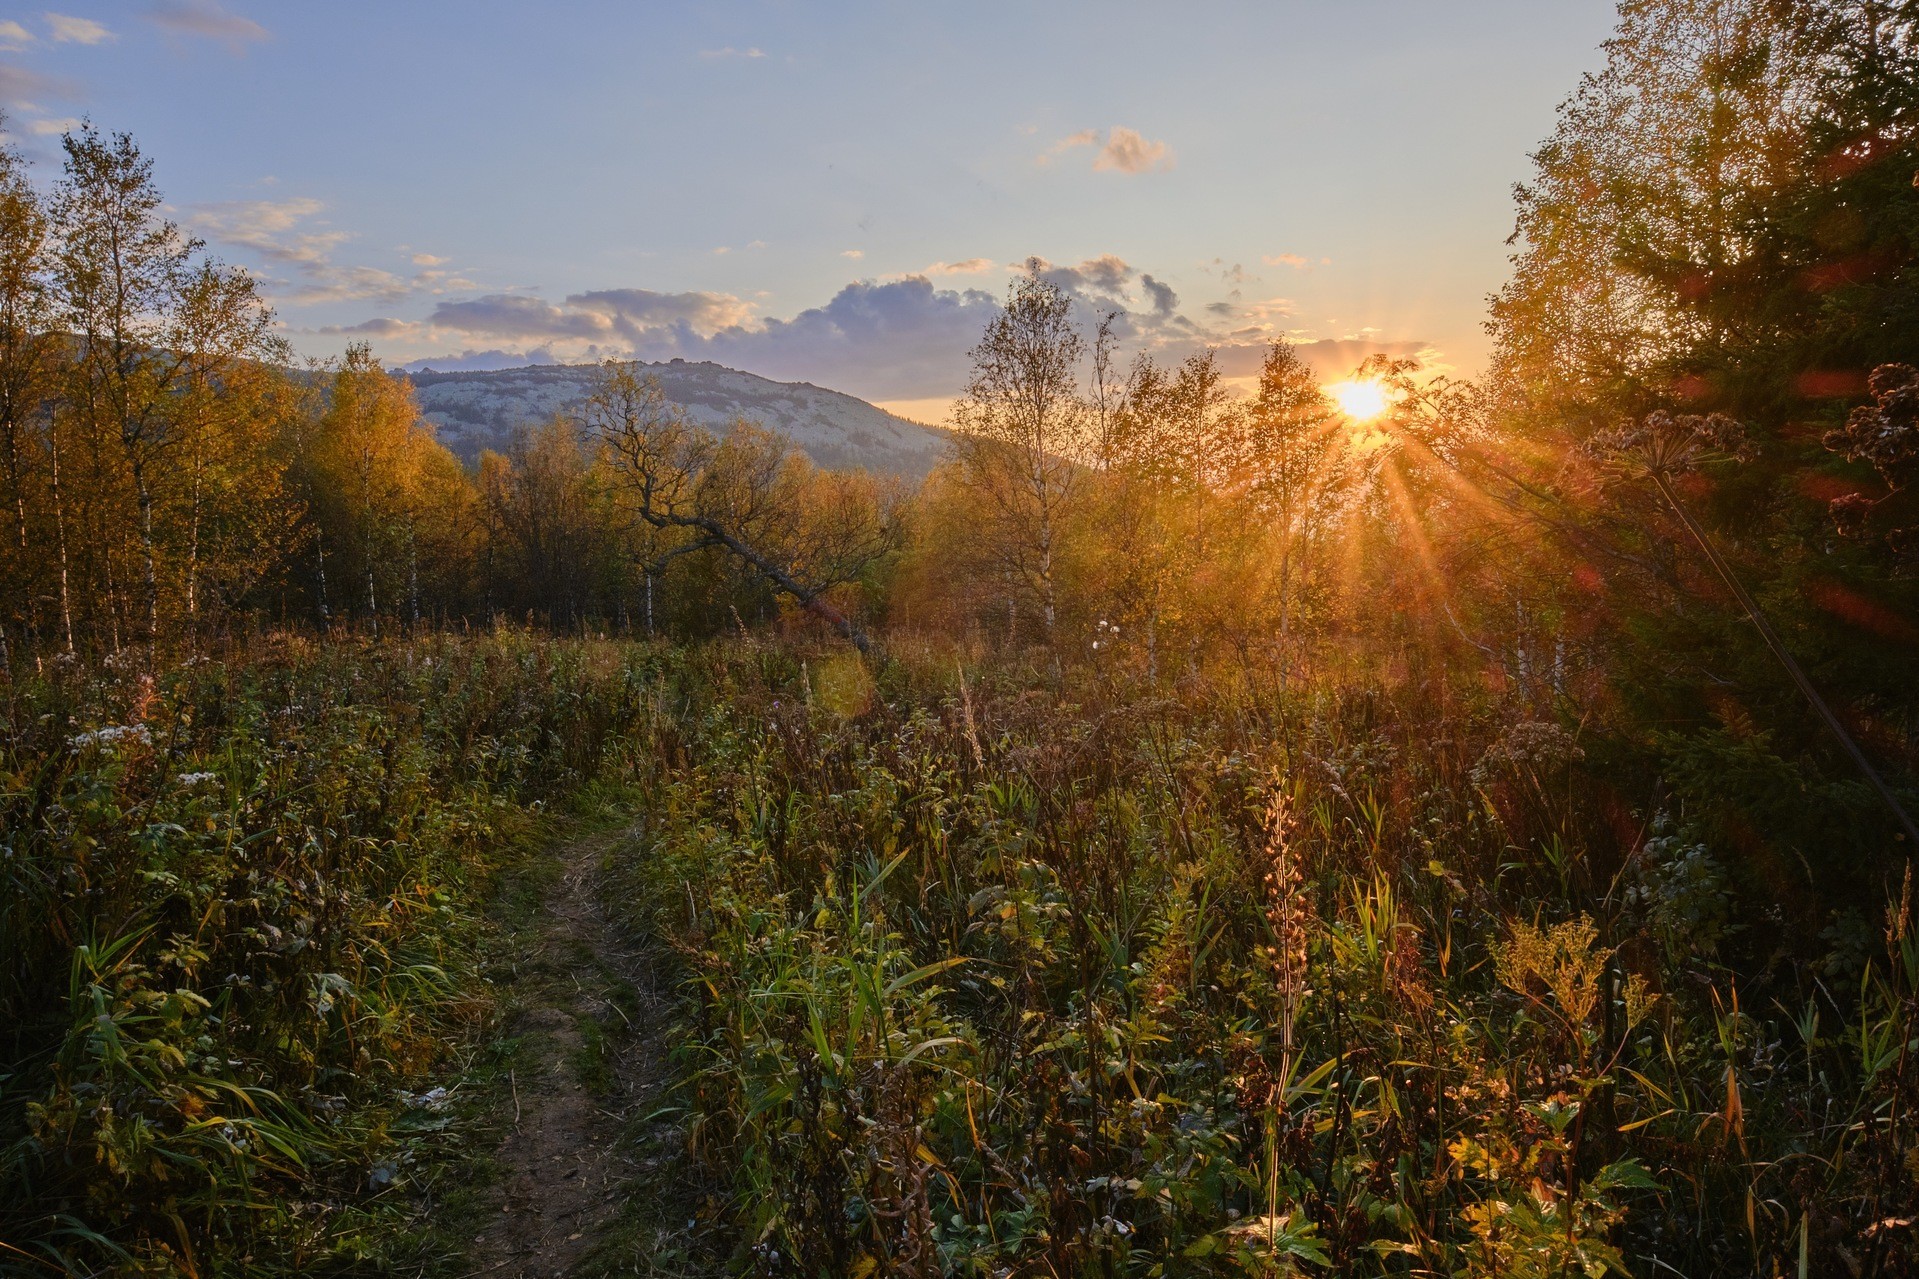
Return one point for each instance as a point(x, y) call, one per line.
point(244, 909)
point(991, 977)
point(984, 971)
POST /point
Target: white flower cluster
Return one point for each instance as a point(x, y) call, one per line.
point(190, 780)
point(1531, 744)
point(112, 735)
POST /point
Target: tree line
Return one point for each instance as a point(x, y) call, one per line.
point(171, 472)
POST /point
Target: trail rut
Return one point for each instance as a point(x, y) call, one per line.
point(590, 1022)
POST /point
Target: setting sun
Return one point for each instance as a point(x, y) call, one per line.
point(1360, 401)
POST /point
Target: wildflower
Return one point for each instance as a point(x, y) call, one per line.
point(112, 735)
point(190, 780)
point(1286, 909)
point(1532, 744)
point(1567, 961)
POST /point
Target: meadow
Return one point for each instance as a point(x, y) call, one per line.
point(987, 976)
point(977, 972)
point(1220, 821)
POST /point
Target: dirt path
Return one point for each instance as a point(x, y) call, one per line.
point(589, 1025)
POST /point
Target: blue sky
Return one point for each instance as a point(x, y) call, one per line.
point(828, 192)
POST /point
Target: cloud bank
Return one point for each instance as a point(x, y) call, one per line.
point(900, 339)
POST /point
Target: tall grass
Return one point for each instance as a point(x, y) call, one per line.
point(988, 970)
point(989, 974)
point(239, 908)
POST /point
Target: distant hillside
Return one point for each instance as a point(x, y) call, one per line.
point(478, 410)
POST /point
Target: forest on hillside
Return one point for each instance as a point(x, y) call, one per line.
point(1409, 827)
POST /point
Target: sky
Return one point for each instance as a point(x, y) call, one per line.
point(837, 192)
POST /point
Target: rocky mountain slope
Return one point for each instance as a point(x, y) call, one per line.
point(478, 410)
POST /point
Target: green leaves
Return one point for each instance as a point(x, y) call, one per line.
point(210, 994)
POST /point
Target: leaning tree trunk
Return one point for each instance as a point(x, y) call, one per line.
point(807, 598)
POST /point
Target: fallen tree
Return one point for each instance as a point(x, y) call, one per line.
point(805, 531)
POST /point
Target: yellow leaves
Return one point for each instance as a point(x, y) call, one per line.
point(1563, 958)
point(1568, 962)
point(1495, 1159)
point(1638, 1000)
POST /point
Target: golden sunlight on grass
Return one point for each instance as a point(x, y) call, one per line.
point(1359, 400)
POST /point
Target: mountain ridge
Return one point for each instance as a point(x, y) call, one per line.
point(477, 409)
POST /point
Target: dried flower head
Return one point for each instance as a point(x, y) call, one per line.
point(1286, 914)
point(1667, 444)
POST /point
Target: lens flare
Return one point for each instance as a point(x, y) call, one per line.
point(1360, 401)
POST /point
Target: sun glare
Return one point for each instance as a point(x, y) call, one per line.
point(1360, 401)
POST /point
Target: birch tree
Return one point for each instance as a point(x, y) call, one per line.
point(1023, 426)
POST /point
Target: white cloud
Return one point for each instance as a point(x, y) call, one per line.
point(1124, 151)
point(438, 283)
point(53, 128)
point(391, 330)
point(730, 52)
point(290, 234)
point(602, 315)
point(855, 254)
point(641, 309)
point(1292, 260)
point(270, 228)
point(70, 30)
point(427, 259)
point(14, 37)
point(1271, 309)
point(1084, 138)
point(969, 266)
point(1128, 152)
point(207, 20)
point(352, 284)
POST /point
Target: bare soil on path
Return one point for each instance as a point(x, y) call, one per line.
point(587, 1066)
